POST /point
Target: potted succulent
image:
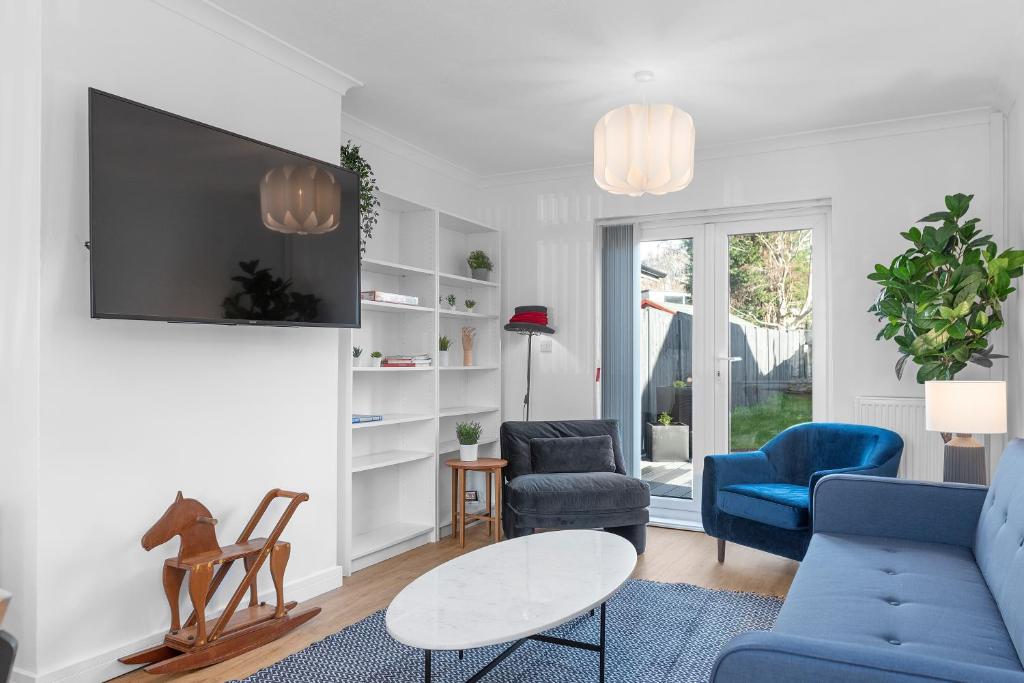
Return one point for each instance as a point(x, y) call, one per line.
point(357, 356)
point(480, 265)
point(468, 434)
point(669, 442)
point(375, 359)
point(470, 305)
point(442, 351)
point(450, 300)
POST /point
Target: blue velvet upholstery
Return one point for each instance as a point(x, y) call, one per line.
point(763, 499)
point(903, 581)
point(570, 500)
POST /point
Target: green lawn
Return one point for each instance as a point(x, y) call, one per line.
point(753, 426)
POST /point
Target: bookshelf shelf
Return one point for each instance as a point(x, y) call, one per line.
point(391, 494)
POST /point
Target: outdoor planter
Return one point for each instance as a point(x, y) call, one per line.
point(670, 443)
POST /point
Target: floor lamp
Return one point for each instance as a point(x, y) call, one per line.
point(529, 321)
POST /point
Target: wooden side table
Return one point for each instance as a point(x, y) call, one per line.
point(492, 466)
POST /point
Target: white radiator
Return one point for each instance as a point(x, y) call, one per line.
point(922, 450)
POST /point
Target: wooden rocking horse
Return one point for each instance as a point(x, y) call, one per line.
point(200, 642)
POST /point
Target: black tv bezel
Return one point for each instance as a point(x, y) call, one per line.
point(94, 92)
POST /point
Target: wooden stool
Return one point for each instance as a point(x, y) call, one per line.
point(492, 466)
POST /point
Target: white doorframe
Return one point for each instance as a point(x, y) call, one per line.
point(710, 230)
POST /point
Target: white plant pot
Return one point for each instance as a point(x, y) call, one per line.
point(670, 443)
point(442, 359)
point(468, 453)
point(480, 274)
point(375, 362)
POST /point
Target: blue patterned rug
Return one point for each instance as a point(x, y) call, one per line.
point(656, 632)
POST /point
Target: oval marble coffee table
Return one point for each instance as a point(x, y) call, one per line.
point(512, 591)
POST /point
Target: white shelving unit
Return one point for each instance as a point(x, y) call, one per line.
point(391, 497)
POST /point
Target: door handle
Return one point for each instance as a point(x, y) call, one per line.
point(727, 359)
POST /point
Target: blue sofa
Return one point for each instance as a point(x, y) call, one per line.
point(903, 581)
point(763, 499)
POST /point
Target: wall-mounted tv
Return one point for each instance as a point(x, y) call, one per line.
point(190, 223)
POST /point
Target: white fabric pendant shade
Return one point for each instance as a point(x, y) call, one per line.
point(644, 149)
point(300, 200)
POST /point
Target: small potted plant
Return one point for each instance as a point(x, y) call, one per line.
point(450, 300)
point(470, 305)
point(442, 351)
point(375, 359)
point(480, 265)
point(468, 434)
point(669, 442)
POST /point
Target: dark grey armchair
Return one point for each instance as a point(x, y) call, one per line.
point(570, 474)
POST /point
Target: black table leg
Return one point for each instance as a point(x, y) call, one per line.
point(601, 651)
point(426, 666)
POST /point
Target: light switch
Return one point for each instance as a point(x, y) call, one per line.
point(544, 345)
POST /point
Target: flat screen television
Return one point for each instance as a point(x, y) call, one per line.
point(190, 223)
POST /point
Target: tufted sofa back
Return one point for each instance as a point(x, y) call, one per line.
point(999, 541)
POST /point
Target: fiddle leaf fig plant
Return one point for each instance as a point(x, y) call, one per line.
point(943, 296)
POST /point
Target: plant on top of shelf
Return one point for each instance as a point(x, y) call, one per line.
point(375, 357)
point(376, 354)
point(470, 304)
point(942, 297)
point(353, 160)
point(443, 343)
point(357, 351)
point(450, 300)
point(468, 434)
point(665, 419)
point(480, 264)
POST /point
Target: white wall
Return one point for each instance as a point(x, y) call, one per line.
point(880, 178)
point(133, 411)
point(1015, 227)
point(20, 125)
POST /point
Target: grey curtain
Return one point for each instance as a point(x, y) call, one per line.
point(618, 336)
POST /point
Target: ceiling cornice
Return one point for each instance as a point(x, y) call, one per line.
point(238, 30)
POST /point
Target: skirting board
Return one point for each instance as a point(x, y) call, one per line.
point(103, 667)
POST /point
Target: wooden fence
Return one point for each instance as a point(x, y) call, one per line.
point(771, 361)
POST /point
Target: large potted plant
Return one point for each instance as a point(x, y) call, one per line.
point(943, 296)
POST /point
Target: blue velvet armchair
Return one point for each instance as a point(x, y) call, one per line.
point(762, 499)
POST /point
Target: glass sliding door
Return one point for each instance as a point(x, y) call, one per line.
point(729, 347)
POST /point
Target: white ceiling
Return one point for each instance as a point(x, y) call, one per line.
point(499, 86)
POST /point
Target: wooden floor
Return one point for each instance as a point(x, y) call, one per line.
point(672, 556)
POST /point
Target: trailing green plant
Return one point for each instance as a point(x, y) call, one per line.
point(266, 297)
point(450, 299)
point(679, 384)
point(376, 354)
point(369, 205)
point(443, 343)
point(357, 351)
point(943, 296)
point(468, 433)
point(479, 260)
point(665, 419)
point(470, 304)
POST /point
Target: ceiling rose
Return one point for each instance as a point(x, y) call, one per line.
point(644, 148)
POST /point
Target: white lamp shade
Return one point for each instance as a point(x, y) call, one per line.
point(965, 407)
point(644, 148)
point(300, 200)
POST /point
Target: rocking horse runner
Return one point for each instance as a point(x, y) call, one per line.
point(200, 642)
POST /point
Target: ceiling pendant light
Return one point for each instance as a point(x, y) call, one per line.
point(300, 200)
point(644, 148)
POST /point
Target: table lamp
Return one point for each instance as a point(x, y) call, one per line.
point(964, 409)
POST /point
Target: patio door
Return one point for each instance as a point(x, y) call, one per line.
point(730, 343)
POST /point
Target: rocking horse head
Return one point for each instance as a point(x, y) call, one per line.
point(189, 519)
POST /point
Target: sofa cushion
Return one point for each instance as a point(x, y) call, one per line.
point(917, 598)
point(781, 505)
point(999, 540)
point(572, 454)
point(591, 492)
point(516, 437)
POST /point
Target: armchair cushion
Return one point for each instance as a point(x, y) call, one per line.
point(566, 494)
point(572, 454)
point(516, 437)
point(781, 505)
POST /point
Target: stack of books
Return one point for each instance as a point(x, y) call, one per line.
point(420, 360)
point(389, 298)
point(359, 419)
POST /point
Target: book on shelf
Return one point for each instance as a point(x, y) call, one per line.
point(389, 298)
point(421, 360)
point(359, 419)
